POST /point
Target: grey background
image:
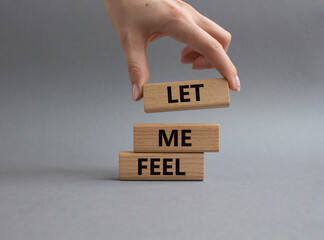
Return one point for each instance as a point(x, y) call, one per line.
point(66, 112)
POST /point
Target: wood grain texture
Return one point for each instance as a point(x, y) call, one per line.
point(176, 137)
point(192, 164)
point(186, 95)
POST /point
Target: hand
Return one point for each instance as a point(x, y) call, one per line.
point(139, 22)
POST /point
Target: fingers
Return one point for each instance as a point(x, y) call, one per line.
point(201, 63)
point(135, 52)
point(216, 31)
point(205, 44)
point(188, 55)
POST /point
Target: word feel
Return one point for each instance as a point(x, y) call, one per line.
point(167, 167)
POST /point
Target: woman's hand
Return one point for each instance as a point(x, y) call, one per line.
point(139, 22)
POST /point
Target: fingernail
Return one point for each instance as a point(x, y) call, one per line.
point(135, 91)
point(237, 83)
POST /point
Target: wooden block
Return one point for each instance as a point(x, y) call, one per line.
point(176, 137)
point(186, 95)
point(161, 166)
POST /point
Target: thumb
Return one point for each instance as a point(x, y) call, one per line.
point(135, 53)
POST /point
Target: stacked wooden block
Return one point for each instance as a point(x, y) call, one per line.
point(174, 151)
